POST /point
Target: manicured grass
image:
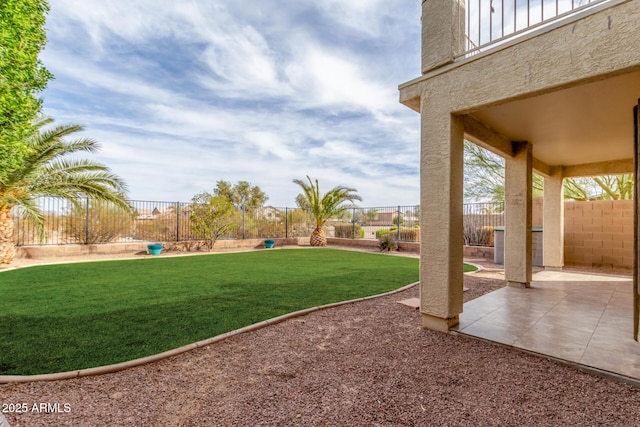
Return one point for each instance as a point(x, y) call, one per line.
point(468, 268)
point(73, 316)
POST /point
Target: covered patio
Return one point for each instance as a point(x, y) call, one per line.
point(557, 101)
point(560, 99)
point(582, 318)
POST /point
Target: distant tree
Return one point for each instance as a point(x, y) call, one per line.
point(224, 189)
point(484, 179)
point(371, 215)
point(398, 220)
point(242, 194)
point(345, 215)
point(22, 76)
point(357, 216)
point(323, 207)
point(211, 217)
point(484, 175)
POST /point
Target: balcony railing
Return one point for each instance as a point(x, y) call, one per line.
point(492, 22)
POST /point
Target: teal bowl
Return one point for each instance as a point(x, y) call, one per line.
point(154, 249)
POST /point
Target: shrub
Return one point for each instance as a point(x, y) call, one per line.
point(410, 234)
point(256, 228)
point(488, 235)
point(406, 234)
point(476, 234)
point(211, 217)
point(106, 223)
point(156, 229)
point(387, 242)
point(384, 231)
point(347, 231)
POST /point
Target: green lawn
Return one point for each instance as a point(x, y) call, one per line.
point(468, 268)
point(73, 316)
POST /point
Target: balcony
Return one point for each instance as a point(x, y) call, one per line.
point(561, 76)
point(491, 23)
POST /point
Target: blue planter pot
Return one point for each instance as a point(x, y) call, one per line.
point(154, 248)
point(269, 243)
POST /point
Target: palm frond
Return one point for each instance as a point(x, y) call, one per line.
point(324, 207)
point(46, 172)
point(28, 208)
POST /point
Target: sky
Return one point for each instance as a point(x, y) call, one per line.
point(182, 94)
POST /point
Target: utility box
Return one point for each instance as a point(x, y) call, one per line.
point(536, 250)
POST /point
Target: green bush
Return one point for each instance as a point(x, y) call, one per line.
point(406, 234)
point(345, 231)
point(211, 217)
point(385, 231)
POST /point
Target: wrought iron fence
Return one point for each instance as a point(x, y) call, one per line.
point(479, 221)
point(85, 221)
point(489, 22)
point(401, 222)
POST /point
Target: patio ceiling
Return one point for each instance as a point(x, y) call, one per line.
point(586, 124)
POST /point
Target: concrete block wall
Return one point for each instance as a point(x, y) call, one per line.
point(596, 234)
point(69, 251)
point(371, 244)
point(599, 233)
point(478, 252)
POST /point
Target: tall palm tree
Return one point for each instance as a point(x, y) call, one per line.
point(323, 207)
point(45, 172)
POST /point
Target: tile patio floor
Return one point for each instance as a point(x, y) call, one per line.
point(581, 318)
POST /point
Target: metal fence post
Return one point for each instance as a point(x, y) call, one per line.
point(177, 221)
point(86, 222)
point(242, 208)
point(286, 223)
point(353, 224)
point(398, 223)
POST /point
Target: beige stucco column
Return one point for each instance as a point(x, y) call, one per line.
point(442, 32)
point(518, 191)
point(441, 238)
point(553, 222)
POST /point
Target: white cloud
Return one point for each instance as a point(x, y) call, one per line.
point(269, 143)
point(133, 21)
point(325, 79)
point(182, 94)
point(83, 72)
point(365, 16)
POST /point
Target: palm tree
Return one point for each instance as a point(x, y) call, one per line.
point(323, 207)
point(45, 172)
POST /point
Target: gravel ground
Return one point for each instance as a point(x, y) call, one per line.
point(363, 364)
